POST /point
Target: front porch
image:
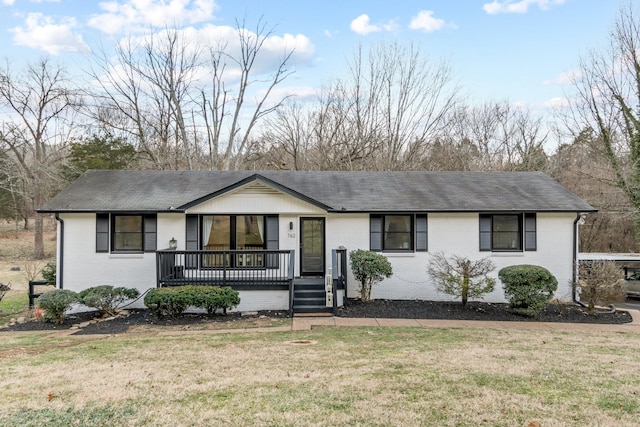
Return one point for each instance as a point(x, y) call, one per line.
point(254, 270)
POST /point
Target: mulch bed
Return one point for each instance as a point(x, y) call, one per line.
point(567, 313)
point(121, 324)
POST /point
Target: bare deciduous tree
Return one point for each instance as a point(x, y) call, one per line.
point(229, 117)
point(39, 103)
point(145, 96)
point(181, 109)
point(606, 101)
point(504, 137)
point(382, 116)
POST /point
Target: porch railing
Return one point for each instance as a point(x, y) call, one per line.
point(240, 269)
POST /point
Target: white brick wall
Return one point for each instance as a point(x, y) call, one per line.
point(459, 234)
point(449, 233)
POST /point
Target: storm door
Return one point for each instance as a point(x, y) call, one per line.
point(312, 246)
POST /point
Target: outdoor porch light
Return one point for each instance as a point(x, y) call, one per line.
point(173, 243)
point(290, 225)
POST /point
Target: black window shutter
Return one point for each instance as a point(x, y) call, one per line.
point(421, 233)
point(273, 239)
point(273, 232)
point(191, 241)
point(530, 228)
point(102, 232)
point(150, 232)
point(485, 232)
point(375, 232)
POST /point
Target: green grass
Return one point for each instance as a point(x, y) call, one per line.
point(13, 305)
point(88, 416)
point(344, 376)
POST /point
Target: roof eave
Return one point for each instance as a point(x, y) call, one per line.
point(249, 179)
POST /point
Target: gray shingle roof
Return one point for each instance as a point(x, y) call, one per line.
point(118, 190)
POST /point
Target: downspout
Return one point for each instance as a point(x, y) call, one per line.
point(60, 271)
point(576, 223)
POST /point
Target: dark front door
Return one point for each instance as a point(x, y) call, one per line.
point(312, 246)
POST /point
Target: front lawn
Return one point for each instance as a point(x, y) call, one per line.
point(326, 376)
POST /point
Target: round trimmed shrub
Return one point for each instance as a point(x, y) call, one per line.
point(172, 302)
point(168, 302)
point(55, 303)
point(107, 298)
point(529, 288)
point(213, 298)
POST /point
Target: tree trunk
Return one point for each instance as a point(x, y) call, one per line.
point(38, 241)
point(465, 290)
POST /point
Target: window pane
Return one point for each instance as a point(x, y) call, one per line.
point(128, 224)
point(250, 236)
point(216, 232)
point(249, 232)
point(128, 233)
point(216, 236)
point(506, 232)
point(397, 232)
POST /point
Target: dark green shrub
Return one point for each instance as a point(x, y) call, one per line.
point(369, 268)
point(529, 288)
point(213, 298)
point(168, 302)
point(172, 302)
point(55, 303)
point(107, 298)
point(49, 273)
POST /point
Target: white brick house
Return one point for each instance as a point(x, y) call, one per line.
point(265, 233)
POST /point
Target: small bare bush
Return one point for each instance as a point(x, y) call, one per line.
point(32, 269)
point(599, 284)
point(461, 277)
point(4, 289)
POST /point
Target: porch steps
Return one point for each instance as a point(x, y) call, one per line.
point(309, 296)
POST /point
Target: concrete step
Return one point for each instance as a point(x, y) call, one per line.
point(311, 309)
point(309, 293)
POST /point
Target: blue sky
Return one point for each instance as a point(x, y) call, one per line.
point(515, 50)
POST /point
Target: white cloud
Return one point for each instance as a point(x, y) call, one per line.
point(556, 103)
point(361, 25)
point(299, 92)
point(426, 22)
point(272, 52)
point(133, 15)
point(41, 32)
point(521, 6)
point(330, 34)
point(8, 2)
point(568, 77)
